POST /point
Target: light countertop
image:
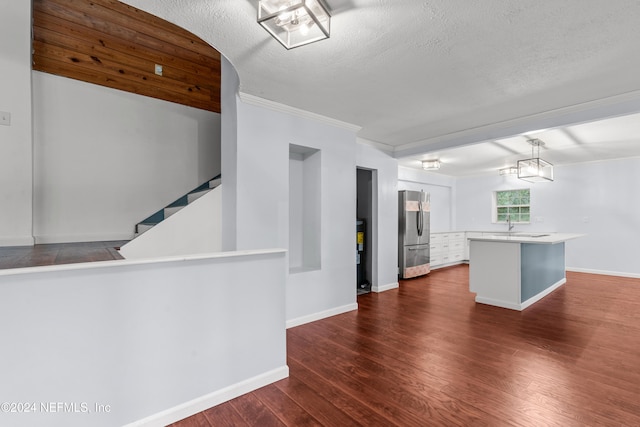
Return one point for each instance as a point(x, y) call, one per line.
point(523, 237)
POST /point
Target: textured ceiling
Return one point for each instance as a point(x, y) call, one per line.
point(607, 139)
point(420, 75)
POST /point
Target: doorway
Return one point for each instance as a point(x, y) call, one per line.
point(365, 226)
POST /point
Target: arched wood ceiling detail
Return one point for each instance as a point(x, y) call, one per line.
point(109, 43)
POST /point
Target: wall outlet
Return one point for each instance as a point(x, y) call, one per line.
point(5, 118)
point(158, 69)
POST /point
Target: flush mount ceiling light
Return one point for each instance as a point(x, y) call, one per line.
point(431, 165)
point(295, 23)
point(535, 169)
point(512, 170)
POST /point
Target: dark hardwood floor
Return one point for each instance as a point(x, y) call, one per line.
point(428, 355)
point(58, 253)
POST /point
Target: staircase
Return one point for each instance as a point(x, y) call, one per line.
point(174, 207)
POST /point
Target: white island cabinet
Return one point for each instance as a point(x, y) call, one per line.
point(514, 271)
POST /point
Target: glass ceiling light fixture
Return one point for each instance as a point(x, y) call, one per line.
point(431, 165)
point(535, 169)
point(295, 23)
point(511, 170)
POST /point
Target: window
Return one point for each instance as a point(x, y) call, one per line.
point(513, 204)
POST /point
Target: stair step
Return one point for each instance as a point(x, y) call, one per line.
point(154, 219)
point(171, 210)
point(215, 182)
point(141, 228)
point(182, 201)
point(174, 207)
point(196, 195)
point(203, 186)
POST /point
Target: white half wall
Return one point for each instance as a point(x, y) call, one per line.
point(16, 170)
point(194, 229)
point(385, 201)
point(153, 341)
point(105, 159)
point(598, 199)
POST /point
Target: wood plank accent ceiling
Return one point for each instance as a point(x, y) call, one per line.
point(112, 44)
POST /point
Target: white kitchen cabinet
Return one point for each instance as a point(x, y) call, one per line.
point(447, 249)
point(435, 249)
point(457, 243)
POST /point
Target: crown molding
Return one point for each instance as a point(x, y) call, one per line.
point(388, 149)
point(282, 108)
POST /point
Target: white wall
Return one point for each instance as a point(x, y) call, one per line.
point(106, 159)
point(262, 208)
point(599, 199)
point(385, 245)
point(296, 217)
point(442, 191)
point(305, 210)
point(229, 152)
point(161, 339)
point(15, 140)
point(474, 201)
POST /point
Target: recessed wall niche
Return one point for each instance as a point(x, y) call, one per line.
point(305, 208)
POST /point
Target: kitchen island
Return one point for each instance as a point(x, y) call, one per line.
point(514, 270)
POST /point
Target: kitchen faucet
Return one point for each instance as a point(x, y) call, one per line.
point(509, 224)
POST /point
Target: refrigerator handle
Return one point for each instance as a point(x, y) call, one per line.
point(420, 217)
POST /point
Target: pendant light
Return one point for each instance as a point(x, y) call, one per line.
point(295, 23)
point(511, 170)
point(535, 169)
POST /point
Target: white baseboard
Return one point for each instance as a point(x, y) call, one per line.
point(321, 315)
point(17, 241)
point(199, 404)
point(604, 272)
point(498, 303)
point(543, 294)
point(385, 287)
point(521, 306)
point(449, 264)
point(107, 237)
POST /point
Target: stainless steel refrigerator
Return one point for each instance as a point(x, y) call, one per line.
point(413, 233)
